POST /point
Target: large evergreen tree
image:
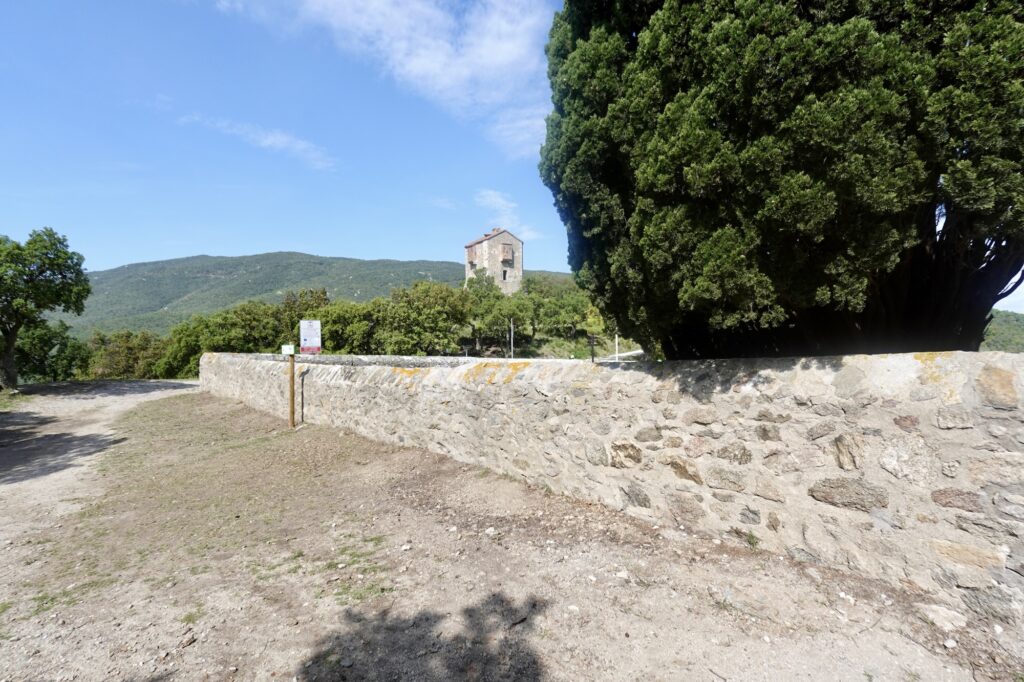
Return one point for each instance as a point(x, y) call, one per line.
point(36, 277)
point(744, 177)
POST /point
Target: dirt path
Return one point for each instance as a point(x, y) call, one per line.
point(200, 540)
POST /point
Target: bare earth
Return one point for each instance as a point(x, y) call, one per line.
point(147, 537)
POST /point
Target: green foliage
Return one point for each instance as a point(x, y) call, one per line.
point(1005, 332)
point(160, 295)
point(765, 177)
point(425, 319)
point(36, 277)
point(125, 355)
point(48, 352)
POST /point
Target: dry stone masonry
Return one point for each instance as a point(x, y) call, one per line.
point(906, 467)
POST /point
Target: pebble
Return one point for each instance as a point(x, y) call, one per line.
point(406, 548)
point(490, 531)
point(949, 643)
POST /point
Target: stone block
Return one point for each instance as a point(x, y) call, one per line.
point(907, 422)
point(996, 388)
point(766, 488)
point(768, 432)
point(957, 498)
point(820, 430)
point(750, 516)
point(625, 455)
point(969, 555)
point(725, 479)
point(953, 417)
point(849, 448)
point(635, 495)
point(737, 453)
point(648, 434)
point(686, 469)
point(850, 493)
point(701, 415)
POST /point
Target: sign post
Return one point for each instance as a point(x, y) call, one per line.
point(289, 350)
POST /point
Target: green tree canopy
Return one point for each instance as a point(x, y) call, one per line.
point(36, 277)
point(746, 177)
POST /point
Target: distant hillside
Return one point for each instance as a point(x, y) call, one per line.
point(1005, 332)
point(156, 296)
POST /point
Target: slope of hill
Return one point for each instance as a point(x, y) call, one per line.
point(1005, 332)
point(155, 296)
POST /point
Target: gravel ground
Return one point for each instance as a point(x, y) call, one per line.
point(147, 537)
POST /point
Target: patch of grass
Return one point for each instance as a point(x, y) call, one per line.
point(347, 593)
point(46, 601)
point(5, 606)
point(193, 616)
point(8, 401)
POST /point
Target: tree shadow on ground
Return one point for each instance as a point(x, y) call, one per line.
point(26, 453)
point(380, 647)
point(87, 390)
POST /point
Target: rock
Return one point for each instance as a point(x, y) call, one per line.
point(688, 469)
point(724, 479)
point(750, 516)
point(673, 442)
point(969, 555)
point(685, 509)
point(735, 452)
point(996, 388)
point(797, 553)
point(700, 415)
point(949, 643)
point(1009, 505)
point(996, 602)
point(774, 417)
point(957, 498)
point(773, 521)
point(820, 430)
point(595, 453)
point(851, 493)
point(953, 417)
point(723, 497)
point(945, 619)
point(669, 413)
point(625, 455)
point(636, 496)
point(907, 422)
point(848, 381)
point(950, 469)
point(768, 432)
point(849, 448)
point(765, 488)
point(907, 457)
point(649, 434)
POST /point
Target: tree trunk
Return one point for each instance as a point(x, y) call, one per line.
point(8, 370)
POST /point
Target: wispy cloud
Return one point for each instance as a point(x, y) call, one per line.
point(482, 61)
point(266, 138)
point(505, 213)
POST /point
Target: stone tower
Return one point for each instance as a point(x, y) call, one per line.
point(500, 253)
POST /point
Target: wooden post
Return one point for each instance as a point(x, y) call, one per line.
point(291, 391)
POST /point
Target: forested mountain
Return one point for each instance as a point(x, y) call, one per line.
point(155, 296)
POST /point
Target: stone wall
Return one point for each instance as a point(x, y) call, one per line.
point(907, 467)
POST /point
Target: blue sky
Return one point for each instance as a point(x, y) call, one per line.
point(165, 128)
point(153, 129)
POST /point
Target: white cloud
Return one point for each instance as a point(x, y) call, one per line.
point(275, 140)
point(505, 213)
point(483, 61)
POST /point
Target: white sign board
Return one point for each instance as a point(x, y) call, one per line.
point(288, 349)
point(309, 336)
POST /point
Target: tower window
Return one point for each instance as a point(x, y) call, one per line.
point(504, 275)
